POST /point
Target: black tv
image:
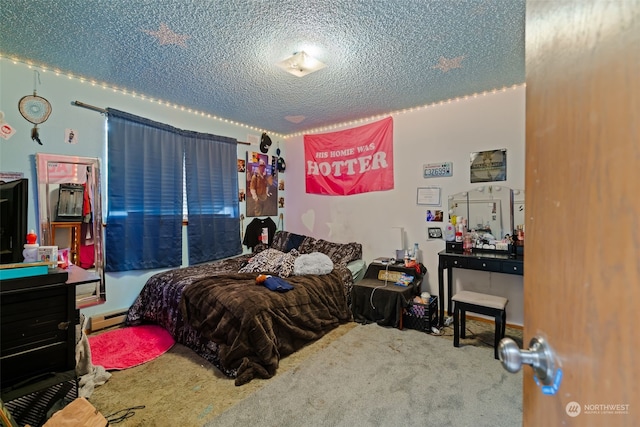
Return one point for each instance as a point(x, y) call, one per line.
point(13, 220)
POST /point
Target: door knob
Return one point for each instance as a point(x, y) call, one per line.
point(540, 357)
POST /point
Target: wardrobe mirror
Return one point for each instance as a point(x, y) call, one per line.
point(70, 215)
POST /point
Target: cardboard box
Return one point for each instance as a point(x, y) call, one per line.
point(48, 254)
point(78, 413)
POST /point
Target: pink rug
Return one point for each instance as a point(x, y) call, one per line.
point(128, 347)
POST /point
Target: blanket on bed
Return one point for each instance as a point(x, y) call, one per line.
point(255, 327)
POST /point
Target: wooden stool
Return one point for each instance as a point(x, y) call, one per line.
point(489, 305)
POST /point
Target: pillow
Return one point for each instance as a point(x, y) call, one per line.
point(307, 245)
point(340, 253)
point(313, 263)
point(272, 261)
point(286, 241)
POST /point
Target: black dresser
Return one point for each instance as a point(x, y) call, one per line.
point(38, 321)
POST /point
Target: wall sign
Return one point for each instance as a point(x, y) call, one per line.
point(488, 166)
point(438, 170)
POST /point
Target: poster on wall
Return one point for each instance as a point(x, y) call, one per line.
point(488, 166)
point(262, 179)
point(352, 161)
point(71, 136)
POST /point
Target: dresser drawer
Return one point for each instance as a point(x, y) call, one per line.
point(454, 262)
point(454, 247)
point(513, 267)
point(485, 265)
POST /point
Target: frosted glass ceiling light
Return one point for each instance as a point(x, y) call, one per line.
point(301, 64)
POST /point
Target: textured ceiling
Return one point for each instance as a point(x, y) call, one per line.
point(220, 56)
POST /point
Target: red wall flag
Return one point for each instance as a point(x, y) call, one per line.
point(352, 161)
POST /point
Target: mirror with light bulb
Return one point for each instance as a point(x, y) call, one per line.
point(492, 211)
point(70, 216)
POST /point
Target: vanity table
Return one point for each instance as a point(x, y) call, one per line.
point(497, 262)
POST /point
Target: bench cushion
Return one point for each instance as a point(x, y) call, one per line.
point(484, 300)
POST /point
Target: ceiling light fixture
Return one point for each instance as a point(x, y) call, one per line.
point(301, 64)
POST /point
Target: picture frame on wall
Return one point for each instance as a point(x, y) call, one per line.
point(429, 196)
point(488, 166)
point(261, 185)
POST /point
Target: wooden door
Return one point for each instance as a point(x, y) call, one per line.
point(582, 227)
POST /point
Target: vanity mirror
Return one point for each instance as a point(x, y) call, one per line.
point(487, 209)
point(70, 215)
point(458, 205)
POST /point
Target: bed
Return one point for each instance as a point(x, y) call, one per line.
point(243, 328)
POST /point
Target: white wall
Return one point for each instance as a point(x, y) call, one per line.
point(441, 133)
point(18, 153)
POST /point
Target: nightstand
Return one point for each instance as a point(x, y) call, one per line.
point(376, 298)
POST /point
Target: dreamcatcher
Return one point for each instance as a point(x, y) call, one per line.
point(35, 109)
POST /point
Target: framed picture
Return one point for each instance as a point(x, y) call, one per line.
point(429, 196)
point(435, 215)
point(488, 166)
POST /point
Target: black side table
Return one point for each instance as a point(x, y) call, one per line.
point(374, 299)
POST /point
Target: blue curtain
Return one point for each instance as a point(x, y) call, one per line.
point(213, 229)
point(144, 214)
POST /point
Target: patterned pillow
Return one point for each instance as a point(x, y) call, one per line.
point(272, 261)
point(285, 241)
point(340, 253)
point(307, 246)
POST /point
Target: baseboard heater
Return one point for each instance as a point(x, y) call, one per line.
point(106, 320)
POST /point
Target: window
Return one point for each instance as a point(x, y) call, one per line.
point(145, 194)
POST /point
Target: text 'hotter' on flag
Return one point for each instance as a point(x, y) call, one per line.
point(352, 161)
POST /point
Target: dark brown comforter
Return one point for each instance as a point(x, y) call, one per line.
point(255, 327)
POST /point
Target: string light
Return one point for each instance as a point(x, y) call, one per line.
point(123, 91)
point(404, 111)
point(105, 86)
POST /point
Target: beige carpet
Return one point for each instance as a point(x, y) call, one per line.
point(181, 388)
point(383, 377)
